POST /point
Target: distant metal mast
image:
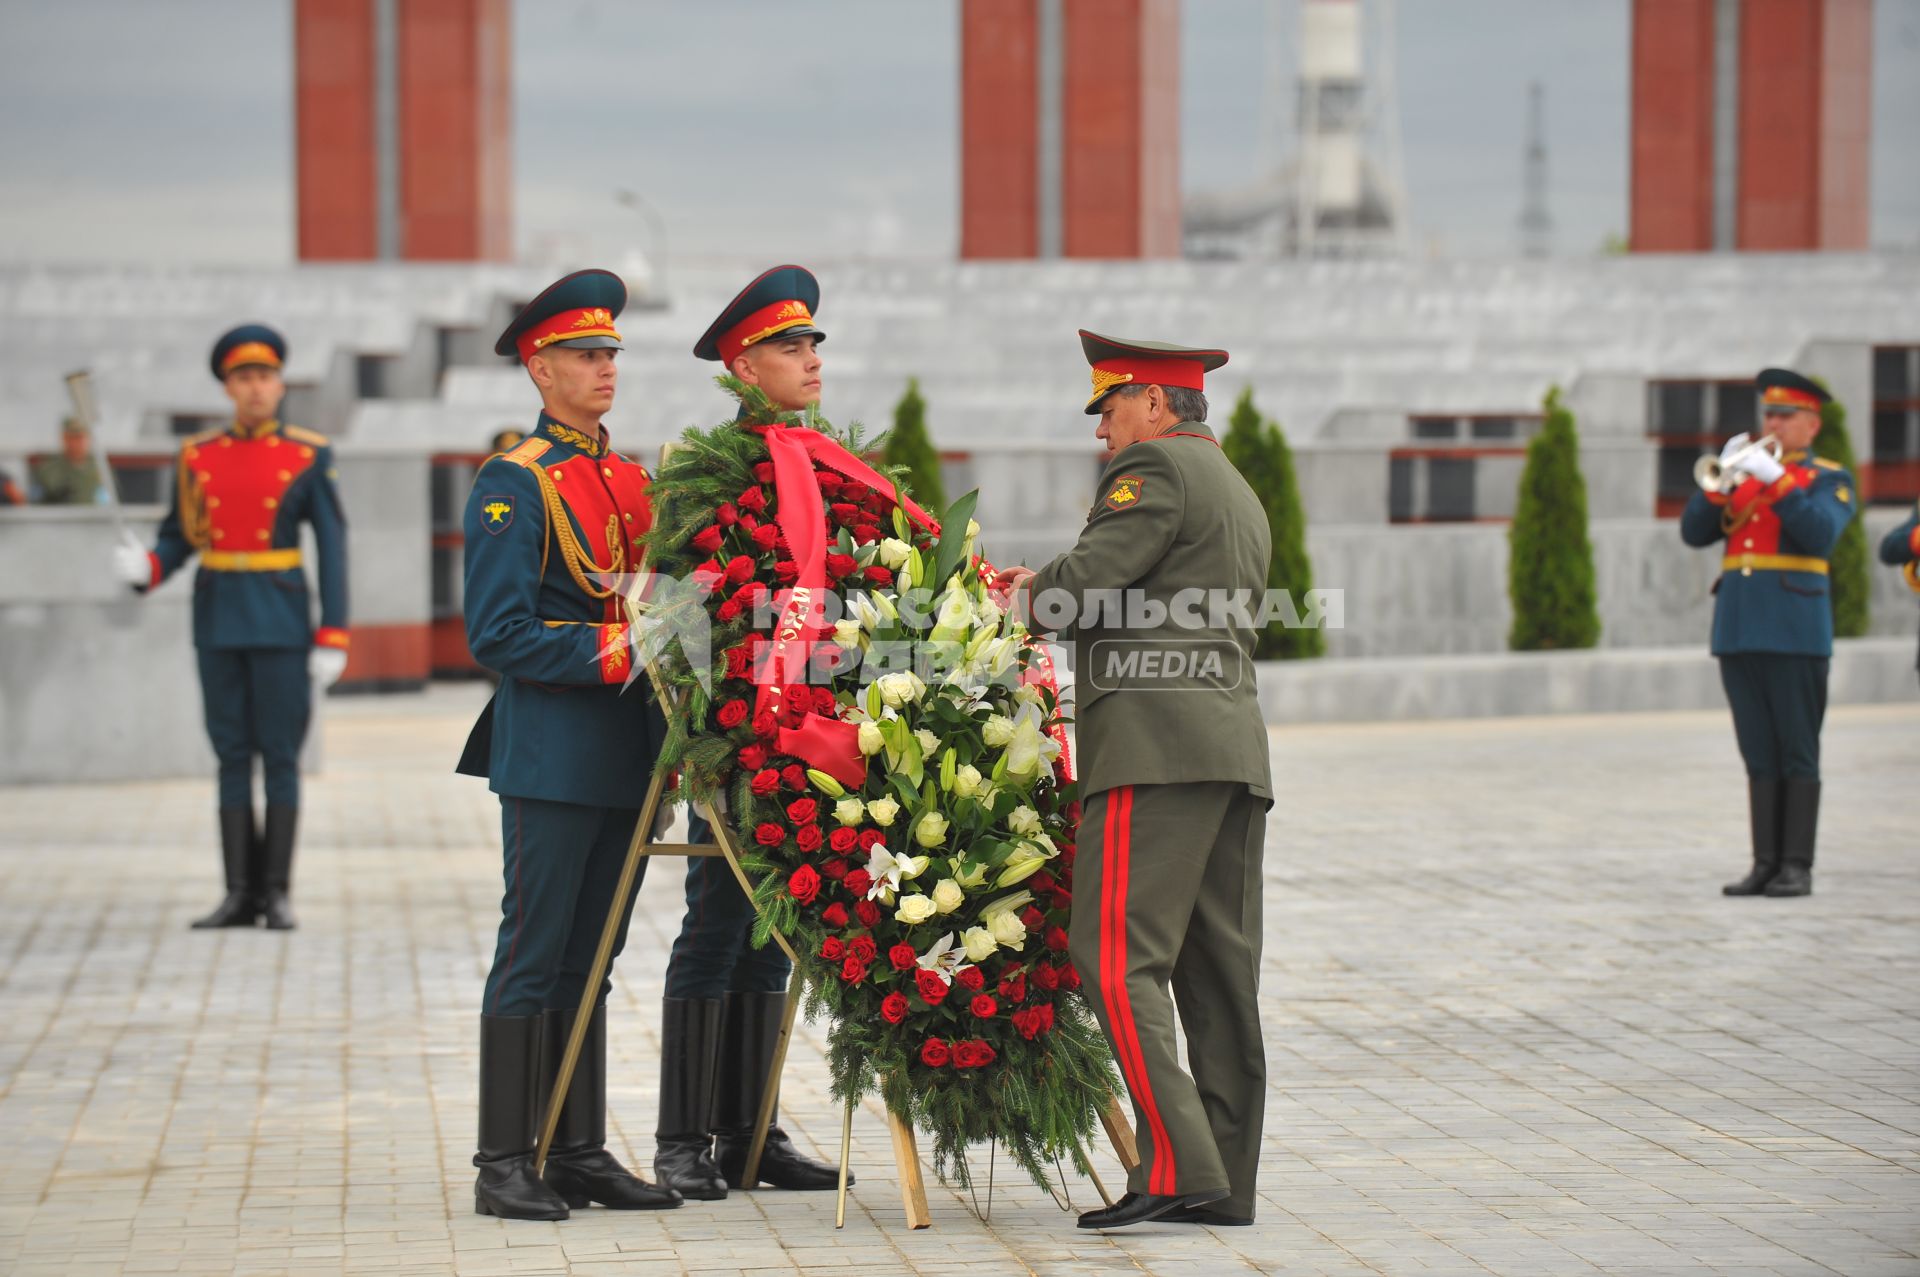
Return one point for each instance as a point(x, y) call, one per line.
point(1536, 222)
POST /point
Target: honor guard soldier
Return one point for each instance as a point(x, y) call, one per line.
point(1901, 548)
point(239, 497)
point(724, 998)
point(566, 742)
point(1175, 783)
point(1772, 618)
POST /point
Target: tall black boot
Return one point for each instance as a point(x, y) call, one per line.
point(1799, 820)
point(239, 909)
point(509, 1067)
point(1764, 798)
point(689, 1041)
point(579, 1167)
point(277, 876)
point(750, 1031)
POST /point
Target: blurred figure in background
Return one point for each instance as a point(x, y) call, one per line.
point(73, 477)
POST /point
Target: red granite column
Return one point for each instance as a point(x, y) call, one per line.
point(1672, 179)
point(455, 140)
point(335, 170)
point(1120, 162)
point(999, 128)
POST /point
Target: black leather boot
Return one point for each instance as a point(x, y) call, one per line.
point(239, 909)
point(683, 1157)
point(750, 1029)
point(509, 1067)
point(1799, 819)
point(579, 1167)
point(278, 872)
point(1763, 815)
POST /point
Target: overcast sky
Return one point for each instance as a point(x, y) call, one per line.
point(143, 130)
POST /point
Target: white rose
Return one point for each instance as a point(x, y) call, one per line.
point(894, 552)
point(848, 811)
point(998, 730)
point(901, 688)
point(1008, 930)
point(1024, 821)
point(870, 739)
point(979, 943)
point(929, 743)
point(947, 895)
point(881, 811)
point(914, 909)
point(966, 781)
point(971, 876)
point(1028, 694)
point(847, 634)
point(930, 830)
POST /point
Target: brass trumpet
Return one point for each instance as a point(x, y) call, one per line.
point(1716, 475)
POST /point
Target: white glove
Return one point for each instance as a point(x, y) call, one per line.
point(1762, 466)
point(325, 666)
point(132, 564)
point(1734, 445)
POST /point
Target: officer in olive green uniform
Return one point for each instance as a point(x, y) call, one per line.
point(1901, 548)
point(73, 477)
point(1773, 622)
point(1175, 781)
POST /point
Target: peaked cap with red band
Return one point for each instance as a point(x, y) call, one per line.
point(778, 304)
point(578, 310)
point(248, 346)
point(1784, 388)
point(1117, 362)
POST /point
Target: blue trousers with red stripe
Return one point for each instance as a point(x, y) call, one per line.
point(1166, 890)
point(561, 865)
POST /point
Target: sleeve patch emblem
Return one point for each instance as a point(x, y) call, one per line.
point(1844, 493)
point(1125, 493)
point(499, 514)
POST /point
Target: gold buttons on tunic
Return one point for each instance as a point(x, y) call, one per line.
point(261, 534)
point(1746, 571)
point(285, 475)
point(273, 503)
point(607, 470)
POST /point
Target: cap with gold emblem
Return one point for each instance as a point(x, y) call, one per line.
point(248, 346)
point(1118, 362)
point(780, 303)
point(578, 311)
point(1781, 388)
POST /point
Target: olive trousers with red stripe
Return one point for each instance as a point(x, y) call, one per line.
point(1166, 889)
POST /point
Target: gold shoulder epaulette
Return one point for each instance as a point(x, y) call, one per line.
point(300, 434)
point(1826, 464)
point(205, 436)
point(528, 452)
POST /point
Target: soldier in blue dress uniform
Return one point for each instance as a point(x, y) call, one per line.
point(724, 998)
point(1773, 622)
point(1901, 548)
point(568, 742)
point(240, 495)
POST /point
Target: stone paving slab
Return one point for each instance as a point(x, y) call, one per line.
point(1512, 1028)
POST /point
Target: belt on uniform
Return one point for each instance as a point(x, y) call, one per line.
point(250, 560)
point(1745, 563)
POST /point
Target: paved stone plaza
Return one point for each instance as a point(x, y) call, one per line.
point(1512, 1028)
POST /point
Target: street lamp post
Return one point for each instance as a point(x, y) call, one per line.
point(657, 229)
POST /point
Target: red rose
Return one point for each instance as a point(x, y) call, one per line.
point(751, 595)
point(833, 948)
point(933, 989)
point(764, 782)
point(1046, 978)
point(867, 912)
point(971, 978)
point(708, 574)
point(844, 514)
point(763, 472)
point(739, 569)
point(707, 540)
point(726, 516)
point(853, 971)
point(748, 523)
point(879, 574)
point(794, 775)
point(934, 1054)
point(983, 1006)
point(1041, 883)
point(753, 757)
point(902, 957)
point(893, 1008)
point(1046, 1017)
point(802, 811)
point(835, 915)
point(864, 949)
point(829, 484)
point(854, 490)
point(732, 714)
point(1014, 987)
point(866, 534)
point(1063, 900)
point(808, 838)
point(754, 498)
point(972, 1054)
point(1033, 1021)
point(859, 881)
point(765, 725)
point(842, 840)
point(768, 834)
point(1069, 977)
point(838, 565)
point(804, 885)
point(737, 659)
point(792, 713)
point(728, 611)
point(1057, 939)
point(1033, 918)
point(824, 704)
point(836, 870)
point(766, 536)
point(871, 838)
point(786, 571)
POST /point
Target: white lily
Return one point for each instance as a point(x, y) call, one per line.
point(894, 552)
point(1031, 749)
point(885, 870)
point(943, 959)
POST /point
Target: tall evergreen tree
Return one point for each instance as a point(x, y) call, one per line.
point(1550, 560)
point(1849, 586)
point(1259, 451)
point(909, 445)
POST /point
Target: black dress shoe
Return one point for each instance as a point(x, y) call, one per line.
point(686, 1166)
point(509, 1188)
point(1792, 880)
point(1138, 1208)
point(782, 1164)
point(1754, 884)
point(1205, 1215)
point(595, 1175)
